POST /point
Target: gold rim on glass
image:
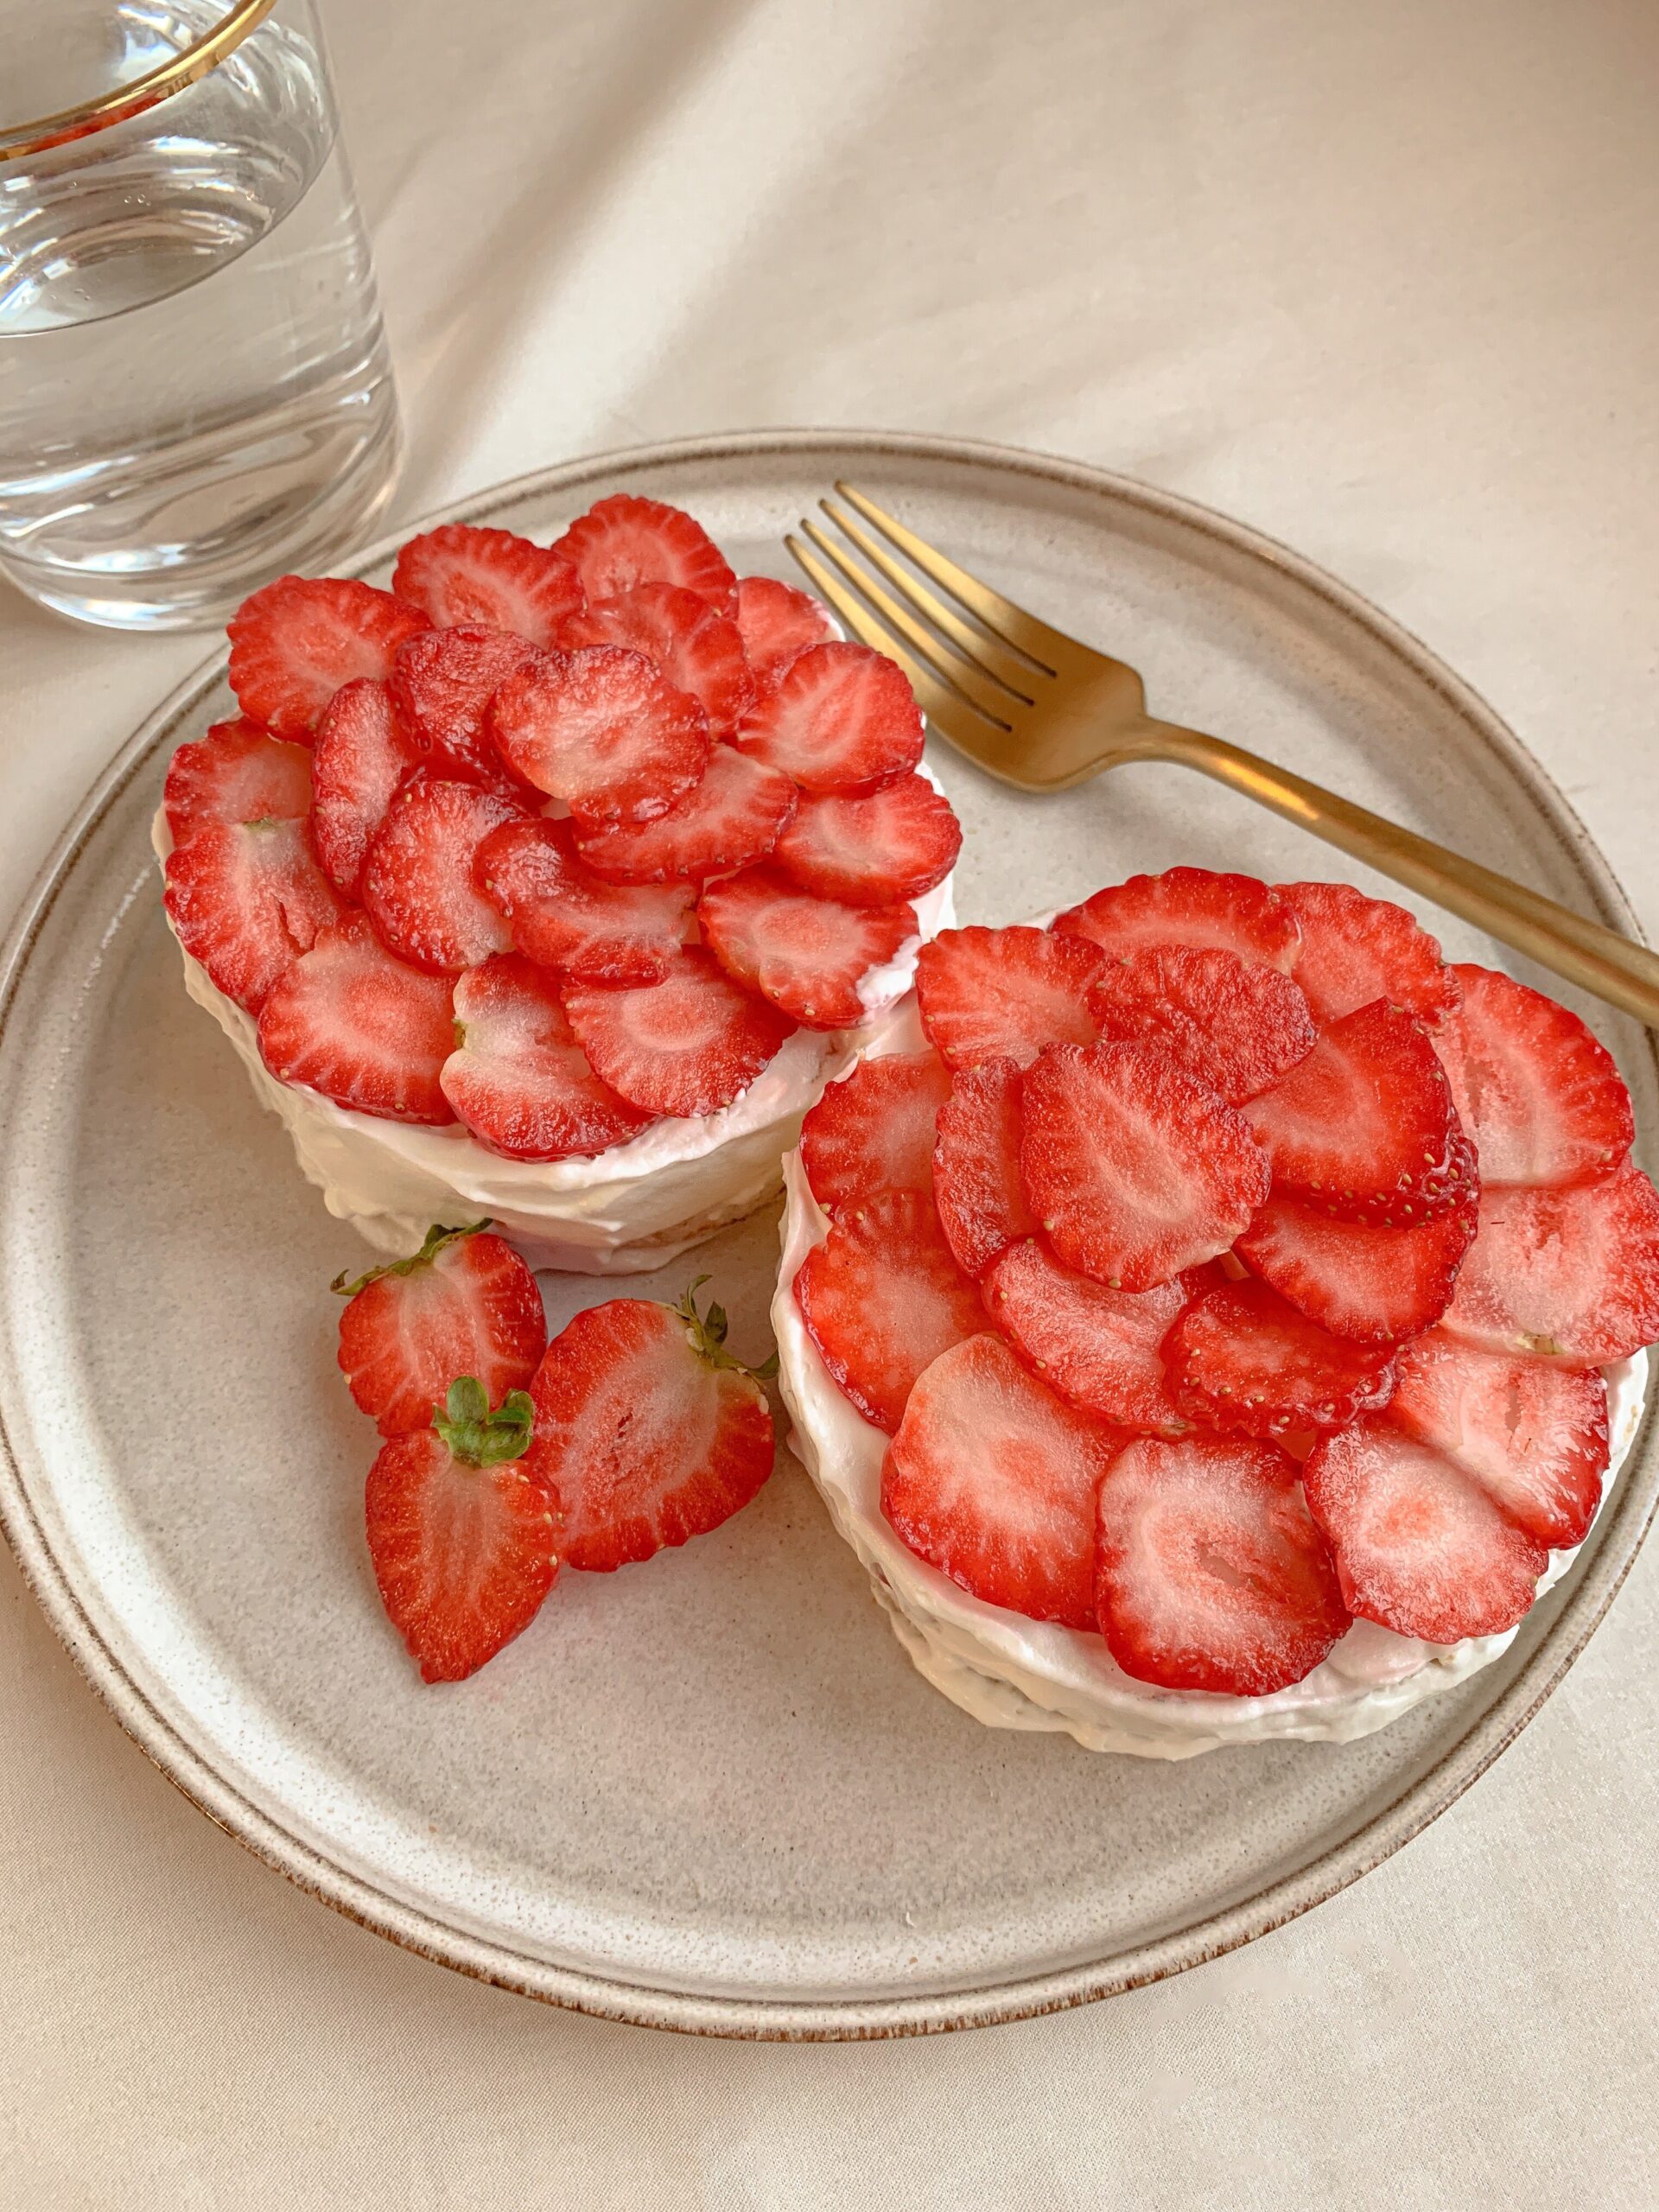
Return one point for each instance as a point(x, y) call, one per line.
point(143, 93)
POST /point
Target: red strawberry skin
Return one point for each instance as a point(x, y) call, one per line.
point(977, 1183)
point(1188, 905)
point(563, 916)
point(368, 1031)
point(1355, 949)
point(1098, 1348)
point(1134, 1167)
point(699, 651)
point(623, 541)
point(1570, 1275)
point(686, 1045)
point(1375, 1286)
point(874, 1130)
point(1541, 1098)
point(442, 684)
point(842, 718)
point(362, 757)
point(459, 574)
point(898, 843)
point(777, 624)
point(1240, 1359)
point(807, 955)
point(647, 1442)
point(1239, 1023)
point(296, 641)
point(997, 994)
point(1210, 1574)
point(731, 817)
point(417, 876)
point(881, 1298)
point(517, 1077)
point(992, 1479)
point(247, 899)
point(471, 1308)
point(602, 729)
point(236, 772)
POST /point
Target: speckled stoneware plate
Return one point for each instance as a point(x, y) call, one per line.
point(708, 1793)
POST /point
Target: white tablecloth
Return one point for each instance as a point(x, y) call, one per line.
point(1377, 276)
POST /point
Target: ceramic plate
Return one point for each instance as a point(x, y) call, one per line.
point(708, 1793)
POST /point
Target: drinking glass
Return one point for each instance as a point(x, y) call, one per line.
point(195, 392)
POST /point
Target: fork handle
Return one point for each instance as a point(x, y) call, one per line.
point(1615, 969)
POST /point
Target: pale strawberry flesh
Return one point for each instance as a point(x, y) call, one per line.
point(362, 758)
point(417, 876)
point(807, 955)
point(874, 1130)
point(996, 994)
point(686, 1045)
point(348, 1020)
point(777, 624)
point(1098, 1348)
point(1355, 949)
point(517, 1076)
point(1240, 1024)
point(842, 718)
point(976, 1184)
point(247, 899)
point(236, 772)
point(563, 916)
point(459, 574)
point(603, 730)
point(1571, 1275)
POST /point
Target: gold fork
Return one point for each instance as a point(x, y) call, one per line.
point(1042, 712)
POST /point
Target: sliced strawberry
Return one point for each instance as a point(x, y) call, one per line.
point(1188, 905)
point(1239, 1023)
point(465, 1304)
point(602, 730)
point(515, 1075)
point(842, 718)
point(362, 757)
point(236, 772)
point(247, 899)
point(562, 915)
point(806, 955)
point(869, 849)
point(1355, 949)
point(991, 1478)
point(442, 685)
point(1098, 1347)
point(651, 1432)
point(881, 1297)
point(1540, 1098)
point(1136, 1168)
point(1373, 1285)
point(687, 1045)
point(1365, 1127)
point(459, 574)
point(1534, 1436)
point(461, 1532)
point(1210, 1573)
point(364, 1029)
point(1003, 994)
point(1571, 1275)
point(699, 651)
point(294, 642)
point(730, 817)
point(417, 876)
point(778, 624)
point(874, 1130)
point(1419, 1546)
point(976, 1187)
point(623, 541)
point(1240, 1358)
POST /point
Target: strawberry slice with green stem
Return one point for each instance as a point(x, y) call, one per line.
point(236, 772)
point(246, 900)
point(350, 1021)
point(517, 1076)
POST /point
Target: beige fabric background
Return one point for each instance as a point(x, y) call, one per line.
point(1377, 275)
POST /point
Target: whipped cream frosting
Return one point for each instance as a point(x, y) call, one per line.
point(1010, 1672)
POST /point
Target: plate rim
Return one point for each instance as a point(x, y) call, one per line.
point(1419, 1801)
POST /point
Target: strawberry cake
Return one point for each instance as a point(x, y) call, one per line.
point(554, 882)
point(1212, 1317)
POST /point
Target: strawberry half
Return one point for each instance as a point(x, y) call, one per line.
point(624, 542)
point(699, 651)
point(1240, 1358)
point(777, 624)
point(1188, 905)
point(649, 1429)
point(874, 1129)
point(236, 772)
point(687, 1045)
point(364, 1029)
point(729, 818)
point(1365, 1128)
point(604, 731)
point(362, 757)
point(1098, 1347)
point(417, 877)
point(1239, 1023)
point(459, 574)
point(976, 1187)
point(1136, 1168)
point(881, 1298)
point(465, 1304)
point(896, 842)
point(442, 684)
point(991, 1478)
point(1420, 1547)
point(564, 916)
point(515, 1075)
point(246, 898)
point(842, 718)
point(1210, 1574)
point(1540, 1098)
point(1373, 1285)
point(1570, 1275)
point(294, 643)
point(1355, 949)
point(808, 955)
point(1003, 994)
point(1534, 1436)
point(461, 1533)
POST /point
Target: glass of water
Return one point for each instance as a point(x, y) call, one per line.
point(194, 388)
